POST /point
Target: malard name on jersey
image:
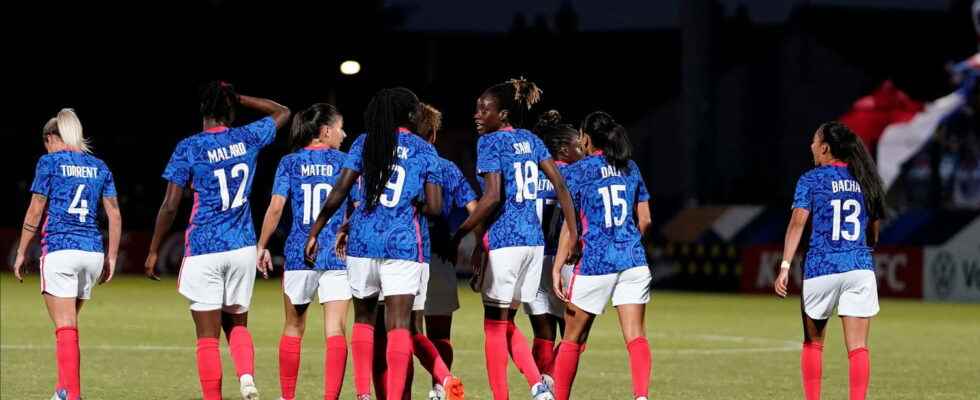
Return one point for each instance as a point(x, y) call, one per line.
point(226, 153)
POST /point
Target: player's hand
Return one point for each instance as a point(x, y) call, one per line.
point(149, 267)
point(108, 270)
point(264, 264)
point(454, 244)
point(479, 263)
point(18, 262)
point(309, 251)
point(557, 284)
point(340, 246)
point(782, 283)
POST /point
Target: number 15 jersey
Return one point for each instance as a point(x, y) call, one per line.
point(219, 165)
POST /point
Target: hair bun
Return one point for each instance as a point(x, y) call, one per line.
point(548, 120)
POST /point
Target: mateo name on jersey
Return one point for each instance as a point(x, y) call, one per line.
point(79, 171)
point(225, 153)
point(316, 170)
point(845, 185)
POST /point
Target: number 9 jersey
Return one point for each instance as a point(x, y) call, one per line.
point(219, 165)
point(836, 205)
point(73, 182)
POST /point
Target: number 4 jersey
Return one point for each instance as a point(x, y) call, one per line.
point(219, 165)
point(73, 182)
point(836, 205)
point(307, 177)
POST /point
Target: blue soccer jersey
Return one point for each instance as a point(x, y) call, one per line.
point(456, 193)
point(74, 182)
point(219, 165)
point(606, 199)
point(515, 155)
point(392, 229)
point(306, 178)
point(549, 211)
point(836, 205)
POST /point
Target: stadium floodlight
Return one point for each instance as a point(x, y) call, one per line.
point(350, 67)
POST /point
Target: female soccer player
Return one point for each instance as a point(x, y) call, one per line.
point(218, 270)
point(70, 181)
point(611, 197)
point(845, 196)
point(384, 245)
point(508, 161)
point(306, 178)
point(546, 310)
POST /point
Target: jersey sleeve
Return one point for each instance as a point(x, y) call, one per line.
point(42, 177)
point(178, 170)
point(353, 161)
point(801, 198)
point(462, 192)
point(109, 185)
point(487, 155)
point(541, 152)
point(260, 133)
point(641, 188)
point(280, 185)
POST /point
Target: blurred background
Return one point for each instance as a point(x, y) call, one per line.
point(721, 99)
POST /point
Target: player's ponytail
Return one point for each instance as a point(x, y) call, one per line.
point(556, 134)
point(306, 124)
point(67, 126)
point(848, 147)
point(388, 110)
point(610, 137)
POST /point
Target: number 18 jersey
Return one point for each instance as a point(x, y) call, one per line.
point(219, 165)
point(836, 205)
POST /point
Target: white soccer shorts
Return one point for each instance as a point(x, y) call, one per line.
point(442, 294)
point(513, 275)
point(853, 293)
point(70, 273)
point(545, 301)
point(219, 281)
point(300, 285)
point(370, 277)
point(592, 292)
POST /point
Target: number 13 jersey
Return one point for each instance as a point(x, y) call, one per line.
point(219, 165)
point(836, 205)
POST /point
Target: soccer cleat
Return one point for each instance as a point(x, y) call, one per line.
point(437, 393)
point(60, 394)
point(641, 398)
point(452, 388)
point(548, 381)
point(540, 391)
point(248, 389)
point(364, 397)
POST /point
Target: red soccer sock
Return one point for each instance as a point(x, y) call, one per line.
point(242, 350)
point(428, 356)
point(640, 365)
point(811, 366)
point(209, 368)
point(521, 353)
point(334, 367)
point(445, 348)
point(69, 375)
point(566, 366)
point(290, 348)
point(860, 372)
point(399, 356)
point(362, 349)
point(495, 347)
point(544, 355)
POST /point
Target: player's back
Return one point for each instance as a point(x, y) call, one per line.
point(515, 154)
point(606, 198)
point(219, 166)
point(307, 177)
point(391, 229)
point(840, 221)
point(74, 183)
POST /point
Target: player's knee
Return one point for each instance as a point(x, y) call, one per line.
point(67, 321)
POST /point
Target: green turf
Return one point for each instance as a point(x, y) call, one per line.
point(705, 346)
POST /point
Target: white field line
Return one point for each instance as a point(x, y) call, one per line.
point(767, 346)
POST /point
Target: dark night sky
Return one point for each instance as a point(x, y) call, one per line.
point(491, 16)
